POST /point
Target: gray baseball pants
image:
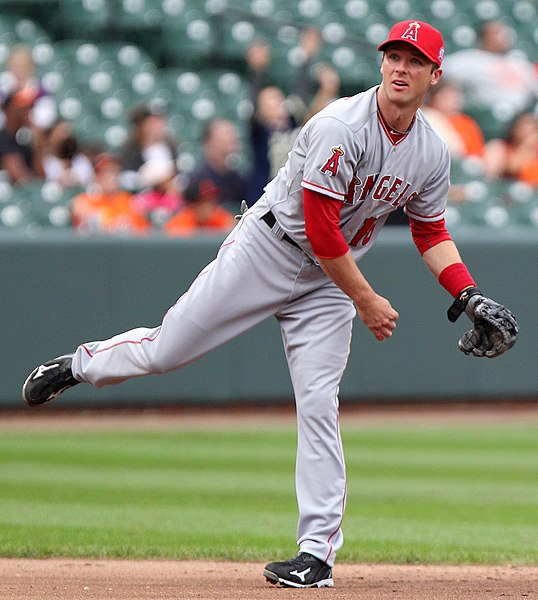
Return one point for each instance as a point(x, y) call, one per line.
point(254, 276)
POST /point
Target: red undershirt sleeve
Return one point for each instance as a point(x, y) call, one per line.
point(455, 277)
point(427, 235)
point(322, 224)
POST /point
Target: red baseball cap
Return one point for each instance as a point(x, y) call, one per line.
point(421, 35)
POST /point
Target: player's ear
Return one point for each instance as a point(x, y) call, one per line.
point(436, 75)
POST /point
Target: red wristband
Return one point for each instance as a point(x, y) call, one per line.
point(456, 278)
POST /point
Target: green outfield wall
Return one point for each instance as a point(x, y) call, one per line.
point(59, 290)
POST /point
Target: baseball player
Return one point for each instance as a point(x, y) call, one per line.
point(293, 255)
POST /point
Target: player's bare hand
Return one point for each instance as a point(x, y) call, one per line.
point(378, 315)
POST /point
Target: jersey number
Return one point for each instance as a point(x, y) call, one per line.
point(364, 234)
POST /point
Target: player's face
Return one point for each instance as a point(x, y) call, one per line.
point(407, 74)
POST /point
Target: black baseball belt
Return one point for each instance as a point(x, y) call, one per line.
point(270, 219)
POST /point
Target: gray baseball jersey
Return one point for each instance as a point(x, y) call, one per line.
point(345, 153)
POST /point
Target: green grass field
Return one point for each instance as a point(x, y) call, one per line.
point(428, 494)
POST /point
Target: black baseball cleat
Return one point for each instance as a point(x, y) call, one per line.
point(49, 380)
point(301, 571)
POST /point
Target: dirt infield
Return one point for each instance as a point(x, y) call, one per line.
point(50, 418)
point(67, 579)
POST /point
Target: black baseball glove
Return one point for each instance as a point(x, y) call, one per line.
point(494, 330)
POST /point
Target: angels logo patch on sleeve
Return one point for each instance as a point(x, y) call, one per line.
point(333, 162)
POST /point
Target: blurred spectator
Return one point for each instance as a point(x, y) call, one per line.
point(444, 111)
point(149, 140)
point(20, 75)
point(63, 160)
point(105, 207)
point(492, 75)
point(160, 197)
point(273, 131)
point(516, 156)
point(277, 118)
point(20, 150)
point(328, 90)
point(221, 146)
point(202, 214)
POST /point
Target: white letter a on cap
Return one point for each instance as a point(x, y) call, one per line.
point(411, 33)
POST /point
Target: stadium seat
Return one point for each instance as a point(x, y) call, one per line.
point(440, 10)
point(465, 170)
point(85, 17)
point(498, 204)
point(70, 103)
point(398, 10)
point(204, 94)
point(49, 205)
point(305, 12)
point(128, 57)
point(354, 10)
point(6, 189)
point(138, 15)
point(232, 93)
point(17, 29)
point(189, 40)
point(14, 216)
point(236, 36)
point(15, 204)
point(261, 9)
point(81, 57)
point(42, 56)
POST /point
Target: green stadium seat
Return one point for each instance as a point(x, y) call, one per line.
point(49, 205)
point(232, 93)
point(399, 10)
point(206, 93)
point(306, 12)
point(261, 9)
point(138, 15)
point(495, 204)
point(73, 104)
point(14, 215)
point(236, 36)
point(130, 58)
point(15, 204)
point(188, 40)
point(183, 87)
point(110, 135)
point(147, 87)
point(487, 11)
point(85, 17)
point(466, 170)
point(283, 67)
point(7, 193)
point(17, 29)
point(354, 11)
point(76, 58)
point(440, 10)
point(474, 213)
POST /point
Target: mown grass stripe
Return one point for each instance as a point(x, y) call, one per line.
point(442, 494)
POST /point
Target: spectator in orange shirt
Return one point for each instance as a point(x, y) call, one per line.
point(516, 156)
point(444, 111)
point(202, 214)
point(105, 207)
